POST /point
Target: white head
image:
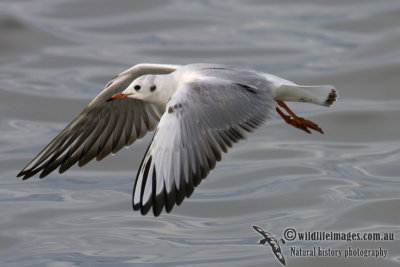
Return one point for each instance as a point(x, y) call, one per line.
point(149, 88)
point(143, 88)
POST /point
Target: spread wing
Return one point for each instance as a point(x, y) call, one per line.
point(102, 127)
point(202, 119)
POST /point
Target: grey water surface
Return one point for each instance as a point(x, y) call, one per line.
point(57, 55)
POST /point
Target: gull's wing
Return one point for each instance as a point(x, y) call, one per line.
point(202, 119)
point(102, 127)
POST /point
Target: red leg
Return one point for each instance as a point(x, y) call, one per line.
point(295, 121)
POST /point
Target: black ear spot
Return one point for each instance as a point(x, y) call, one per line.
point(153, 88)
point(137, 87)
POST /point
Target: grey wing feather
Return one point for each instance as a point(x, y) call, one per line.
point(201, 121)
point(102, 127)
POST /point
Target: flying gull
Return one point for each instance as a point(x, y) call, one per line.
point(197, 111)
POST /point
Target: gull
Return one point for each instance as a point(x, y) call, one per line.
point(197, 111)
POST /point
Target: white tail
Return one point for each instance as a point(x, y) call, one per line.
point(323, 95)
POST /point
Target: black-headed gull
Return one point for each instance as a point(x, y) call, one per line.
point(198, 111)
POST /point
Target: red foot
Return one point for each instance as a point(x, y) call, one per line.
point(295, 121)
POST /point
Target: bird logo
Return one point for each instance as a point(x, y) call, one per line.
point(273, 242)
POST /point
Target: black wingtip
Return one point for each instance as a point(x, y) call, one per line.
point(331, 98)
point(135, 206)
point(25, 175)
point(144, 209)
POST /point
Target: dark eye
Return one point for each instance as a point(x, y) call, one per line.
point(137, 87)
point(153, 88)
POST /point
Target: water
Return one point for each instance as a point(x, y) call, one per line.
point(56, 56)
